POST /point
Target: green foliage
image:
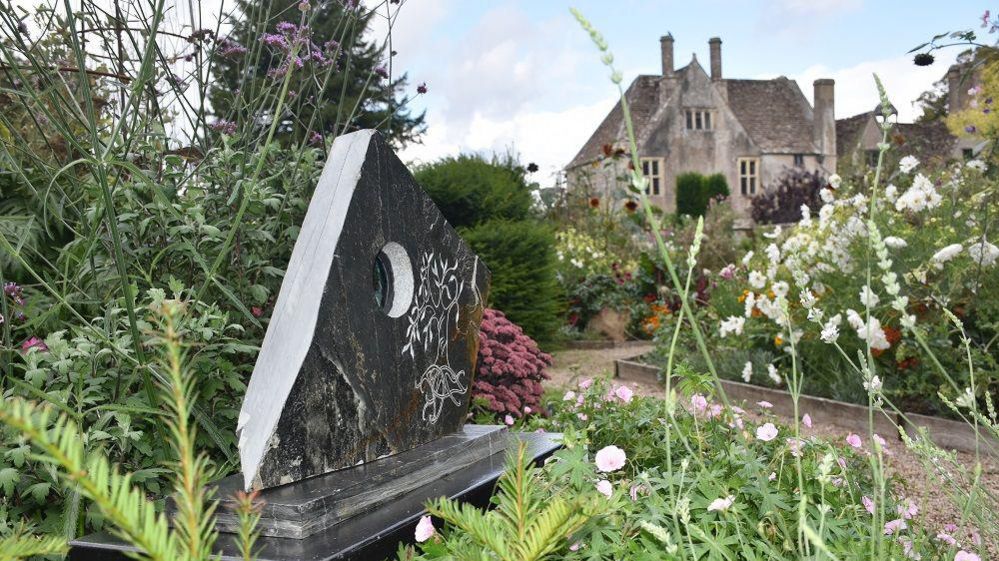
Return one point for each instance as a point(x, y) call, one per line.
point(133, 516)
point(19, 546)
point(530, 521)
point(690, 194)
point(470, 190)
point(521, 257)
point(695, 192)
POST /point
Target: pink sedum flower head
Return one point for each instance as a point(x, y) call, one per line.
point(854, 440)
point(610, 458)
point(868, 504)
point(425, 529)
point(966, 556)
point(605, 488)
point(721, 504)
point(807, 420)
point(767, 432)
point(624, 393)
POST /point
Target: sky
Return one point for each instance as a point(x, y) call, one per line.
point(521, 76)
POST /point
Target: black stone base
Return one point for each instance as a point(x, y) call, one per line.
point(359, 534)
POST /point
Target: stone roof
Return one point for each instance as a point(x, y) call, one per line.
point(774, 113)
point(929, 142)
point(643, 99)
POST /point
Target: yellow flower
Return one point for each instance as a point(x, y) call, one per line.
point(778, 341)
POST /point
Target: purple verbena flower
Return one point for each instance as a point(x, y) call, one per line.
point(274, 40)
point(381, 71)
point(421, 88)
point(970, 129)
point(286, 27)
point(316, 139)
point(231, 49)
point(224, 127)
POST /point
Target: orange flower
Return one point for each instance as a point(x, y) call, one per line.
point(743, 296)
point(778, 341)
point(892, 335)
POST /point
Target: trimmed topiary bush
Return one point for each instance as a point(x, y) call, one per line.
point(470, 190)
point(688, 194)
point(715, 187)
point(510, 368)
point(521, 256)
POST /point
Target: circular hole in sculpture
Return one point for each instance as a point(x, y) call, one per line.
point(392, 280)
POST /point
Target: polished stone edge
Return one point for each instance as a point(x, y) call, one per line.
point(303, 508)
point(372, 535)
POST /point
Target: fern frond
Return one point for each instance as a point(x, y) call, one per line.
point(134, 517)
point(22, 547)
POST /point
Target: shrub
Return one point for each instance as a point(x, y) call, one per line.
point(688, 194)
point(782, 204)
point(470, 190)
point(510, 367)
point(521, 257)
point(695, 192)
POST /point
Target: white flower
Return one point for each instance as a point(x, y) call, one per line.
point(733, 324)
point(747, 258)
point(835, 180)
point(750, 303)
point(947, 253)
point(870, 332)
point(747, 372)
point(874, 385)
point(757, 280)
point(721, 504)
point(780, 288)
point(772, 372)
point(868, 298)
point(830, 331)
point(922, 195)
point(977, 165)
point(907, 164)
point(806, 216)
point(895, 242)
point(983, 253)
point(773, 254)
point(826, 195)
point(891, 193)
point(966, 399)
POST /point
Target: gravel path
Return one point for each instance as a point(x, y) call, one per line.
point(936, 509)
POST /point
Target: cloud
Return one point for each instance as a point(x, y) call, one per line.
point(800, 18)
point(547, 138)
point(856, 92)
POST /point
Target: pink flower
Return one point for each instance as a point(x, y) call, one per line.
point(610, 458)
point(575, 546)
point(569, 396)
point(946, 538)
point(882, 444)
point(527, 410)
point(605, 488)
point(34, 343)
point(868, 504)
point(965, 556)
point(908, 510)
point(842, 463)
point(765, 404)
point(424, 529)
point(767, 432)
point(624, 393)
point(895, 526)
point(794, 445)
point(807, 420)
point(635, 490)
point(583, 416)
point(585, 384)
point(698, 403)
point(854, 440)
point(721, 504)
point(772, 476)
point(508, 420)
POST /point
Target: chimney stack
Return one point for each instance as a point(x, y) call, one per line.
point(666, 44)
point(714, 44)
point(824, 119)
point(955, 97)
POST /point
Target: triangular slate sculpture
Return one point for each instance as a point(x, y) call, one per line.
point(372, 345)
